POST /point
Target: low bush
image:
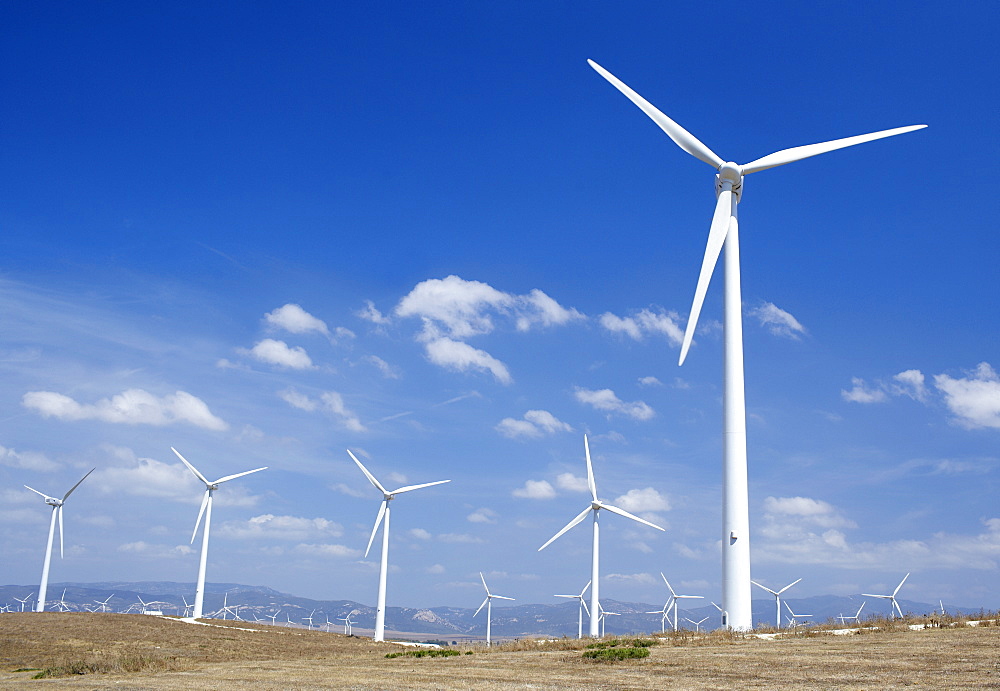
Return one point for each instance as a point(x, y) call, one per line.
point(616, 654)
point(426, 652)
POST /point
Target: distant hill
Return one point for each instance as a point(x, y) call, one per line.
point(261, 603)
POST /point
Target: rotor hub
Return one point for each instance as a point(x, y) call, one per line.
point(731, 173)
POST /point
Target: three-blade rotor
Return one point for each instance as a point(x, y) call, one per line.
point(729, 180)
point(489, 595)
point(595, 505)
point(57, 505)
point(209, 486)
point(387, 496)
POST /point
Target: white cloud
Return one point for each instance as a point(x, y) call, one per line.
point(536, 423)
point(291, 528)
point(420, 534)
point(911, 383)
point(334, 404)
point(28, 460)
point(387, 370)
point(483, 515)
point(298, 400)
point(453, 310)
point(645, 322)
point(650, 381)
point(634, 578)
point(294, 319)
point(435, 569)
point(778, 321)
point(803, 510)
point(459, 538)
point(642, 501)
point(862, 393)
point(281, 354)
point(460, 356)
point(130, 407)
point(605, 399)
point(144, 549)
point(572, 483)
point(147, 477)
point(535, 489)
point(348, 490)
point(370, 313)
point(974, 400)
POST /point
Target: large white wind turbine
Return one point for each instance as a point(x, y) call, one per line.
point(57, 513)
point(583, 606)
point(736, 599)
point(777, 597)
point(383, 513)
point(893, 605)
point(206, 511)
point(488, 604)
point(595, 505)
point(672, 603)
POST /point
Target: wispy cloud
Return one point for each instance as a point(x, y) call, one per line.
point(534, 424)
point(535, 489)
point(26, 460)
point(645, 322)
point(778, 321)
point(606, 400)
point(329, 402)
point(279, 353)
point(293, 319)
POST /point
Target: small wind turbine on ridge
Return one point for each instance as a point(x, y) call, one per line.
point(583, 606)
point(777, 597)
point(57, 514)
point(206, 511)
point(595, 505)
point(383, 513)
point(488, 603)
point(724, 232)
point(892, 599)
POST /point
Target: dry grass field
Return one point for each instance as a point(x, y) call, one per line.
point(97, 651)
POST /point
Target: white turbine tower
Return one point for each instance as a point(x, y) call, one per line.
point(595, 505)
point(383, 513)
point(777, 597)
point(893, 605)
point(275, 616)
point(488, 604)
point(856, 617)
point(347, 623)
point(583, 606)
point(57, 513)
point(206, 511)
point(736, 599)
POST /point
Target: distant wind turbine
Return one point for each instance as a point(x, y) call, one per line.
point(697, 624)
point(383, 513)
point(103, 603)
point(63, 607)
point(722, 613)
point(892, 599)
point(595, 505)
point(793, 619)
point(671, 603)
point(25, 600)
point(777, 597)
point(736, 598)
point(206, 511)
point(348, 623)
point(583, 606)
point(275, 616)
point(57, 513)
point(488, 603)
point(856, 617)
point(603, 614)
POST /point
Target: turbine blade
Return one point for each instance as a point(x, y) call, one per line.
point(681, 136)
point(190, 467)
point(233, 477)
point(626, 514)
point(585, 588)
point(569, 525)
point(780, 158)
point(788, 586)
point(409, 488)
point(59, 511)
point(900, 584)
point(501, 597)
point(201, 512)
point(482, 605)
point(590, 469)
point(66, 496)
point(486, 587)
point(371, 478)
point(585, 608)
point(884, 597)
point(44, 496)
point(713, 248)
point(672, 593)
point(764, 587)
point(378, 522)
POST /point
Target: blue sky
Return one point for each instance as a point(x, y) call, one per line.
point(265, 234)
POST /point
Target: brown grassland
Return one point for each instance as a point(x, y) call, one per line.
point(97, 651)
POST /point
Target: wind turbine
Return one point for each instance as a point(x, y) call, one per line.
point(792, 620)
point(25, 600)
point(310, 619)
point(187, 607)
point(383, 512)
point(348, 623)
point(206, 511)
point(583, 606)
point(722, 613)
point(63, 607)
point(604, 614)
point(777, 597)
point(697, 624)
point(672, 602)
point(488, 604)
point(856, 617)
point(57, 512)
point(724, 231)
point(103, 603)
point(595, 505)
point(892, 599)
point(275, 616)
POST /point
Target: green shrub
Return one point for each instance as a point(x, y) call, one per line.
point(426, 652)
point(616, 654)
